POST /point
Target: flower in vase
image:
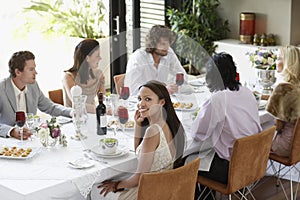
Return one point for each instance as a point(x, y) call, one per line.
point(263, 58)
point(49, 128)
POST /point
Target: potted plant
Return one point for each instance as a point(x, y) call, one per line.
point(197, 26)
point(74, 18)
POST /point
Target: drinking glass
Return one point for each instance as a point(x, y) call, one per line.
point(124, 93)
point(123, 116)
point(179, 80)
point(114, 101)
point(30, 121)
point(20, 121)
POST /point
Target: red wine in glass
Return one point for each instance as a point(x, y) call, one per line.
point(123, 116)
point(124, 93)
point(179, 78)
point(20, 121)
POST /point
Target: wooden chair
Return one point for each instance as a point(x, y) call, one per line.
point(247, 165)
point(56, 96)
point(175, 184)
point(289, 161)
point(119, 82)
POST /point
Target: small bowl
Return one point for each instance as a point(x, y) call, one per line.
point(108, 145)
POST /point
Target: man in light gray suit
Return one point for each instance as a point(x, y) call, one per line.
point(22, 81)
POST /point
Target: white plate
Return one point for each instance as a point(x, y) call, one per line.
point(34, 151)
point(119, 126)
point(81, 163)
point(197, 82)
point(262, 104)
point(63, 120)
point(120, 152)
point(194, 107)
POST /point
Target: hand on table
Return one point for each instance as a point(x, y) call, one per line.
point(109, 186)
point(15, 133)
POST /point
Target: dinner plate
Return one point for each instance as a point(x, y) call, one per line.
point(119, 126)
point(63, 120)
point(185, 108)
point(34, 151)
point(120, 152)
point(197, 82)
point(262, 104)
point(81, 163)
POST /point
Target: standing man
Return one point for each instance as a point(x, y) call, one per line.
point(20, 92)
point(155, 62)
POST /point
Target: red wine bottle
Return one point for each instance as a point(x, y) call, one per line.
point(101, 116)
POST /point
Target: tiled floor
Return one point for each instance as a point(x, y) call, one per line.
point(266, 189)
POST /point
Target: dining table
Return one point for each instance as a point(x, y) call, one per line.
point(51, 174)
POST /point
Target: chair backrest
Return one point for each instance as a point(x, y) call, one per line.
point(295, 148)
point(56, 96)
point(175, 184)
point(119, 82)
point(249, 159)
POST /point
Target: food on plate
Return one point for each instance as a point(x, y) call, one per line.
point(182, 105)
point(111, 123)
point(15, 151)
point(129, 124)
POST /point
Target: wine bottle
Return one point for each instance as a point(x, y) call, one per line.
point(101, 116)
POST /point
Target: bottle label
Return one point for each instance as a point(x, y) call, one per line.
point(103, 121)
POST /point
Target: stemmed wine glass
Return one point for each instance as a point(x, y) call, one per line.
point(124, 93)
point(20, 121)
point(123, 116)
point(179, 80)
point(114, 101)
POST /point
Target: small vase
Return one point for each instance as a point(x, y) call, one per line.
point(49, 142)
point(266, 78)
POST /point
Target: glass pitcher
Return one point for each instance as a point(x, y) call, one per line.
point(80, 116)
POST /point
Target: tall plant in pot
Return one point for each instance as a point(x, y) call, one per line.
point(197, 26)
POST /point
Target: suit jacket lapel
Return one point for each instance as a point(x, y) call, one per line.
point(10, 93)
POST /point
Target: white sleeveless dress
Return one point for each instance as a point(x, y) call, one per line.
point(162, 161)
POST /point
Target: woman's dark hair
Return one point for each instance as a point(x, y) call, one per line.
point(85, 48)
point(171, 118)
point(18, 61)
point(225, 76)
point(154, 35)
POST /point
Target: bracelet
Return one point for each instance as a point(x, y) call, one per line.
point(115, 189)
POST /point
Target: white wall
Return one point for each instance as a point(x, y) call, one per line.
point(272, 16)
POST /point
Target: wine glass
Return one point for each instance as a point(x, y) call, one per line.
point(124, 93)
point(30, 121)
point(179, 80)
point(20, 121)
point(123, 116)
point(114, 101)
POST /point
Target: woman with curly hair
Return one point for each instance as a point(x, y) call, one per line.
point(155, 62)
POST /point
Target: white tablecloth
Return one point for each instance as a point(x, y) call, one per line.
point(48, 176)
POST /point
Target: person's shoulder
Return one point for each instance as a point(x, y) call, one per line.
point(152, 130)
point(140, 51)
point(284, 87)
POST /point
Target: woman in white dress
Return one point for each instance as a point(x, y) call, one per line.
point(159, 139)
